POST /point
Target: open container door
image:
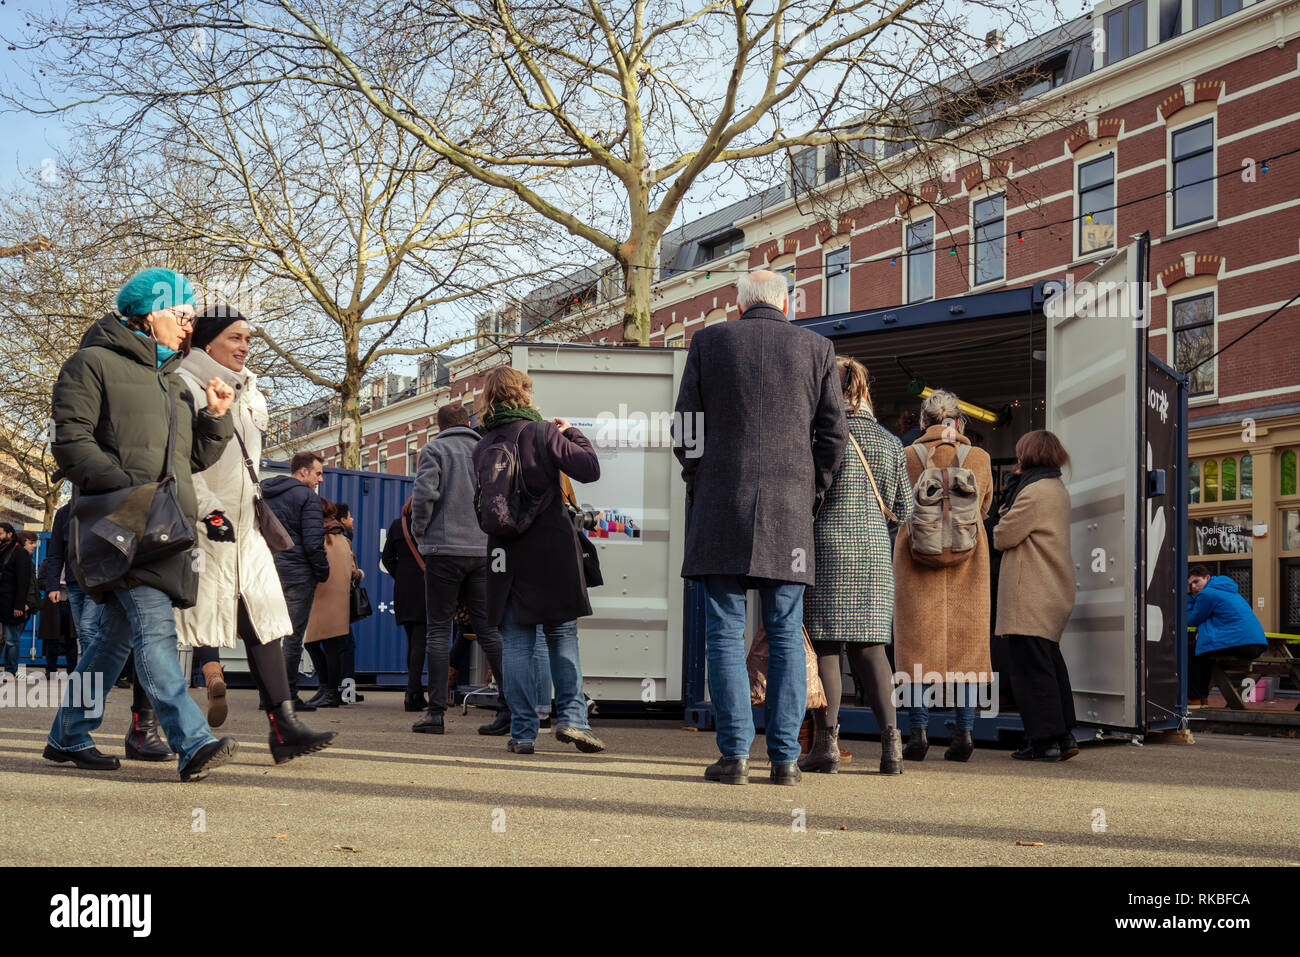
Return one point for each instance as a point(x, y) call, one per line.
point(1096, 384)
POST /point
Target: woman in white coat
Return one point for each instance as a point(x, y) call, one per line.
point(239, 591)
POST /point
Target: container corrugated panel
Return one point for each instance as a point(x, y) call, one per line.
point(375, 499)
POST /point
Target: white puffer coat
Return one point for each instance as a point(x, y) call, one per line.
point(244, 566)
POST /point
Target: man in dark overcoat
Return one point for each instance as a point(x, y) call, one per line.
point(759, 429)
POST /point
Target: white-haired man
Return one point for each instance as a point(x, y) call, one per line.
point(768, 395)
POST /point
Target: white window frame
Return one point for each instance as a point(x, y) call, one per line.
point(412, 454)
point(365, 460)
point(907, 258)
point(1213, 120)
point(381, 460)
point(1079, 252)
point(1211, 397)
point(826, 278)
point(974, 247)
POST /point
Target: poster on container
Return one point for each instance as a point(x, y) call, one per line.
point(618, 496)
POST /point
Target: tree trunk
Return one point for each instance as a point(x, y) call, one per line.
point(51, 500)
point(349, 394)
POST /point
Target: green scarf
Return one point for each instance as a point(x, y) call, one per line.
point(502, 414)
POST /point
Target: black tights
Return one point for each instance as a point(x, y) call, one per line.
point(870, 666)
point(52, 658)
point(265, 663)
point(327, 658)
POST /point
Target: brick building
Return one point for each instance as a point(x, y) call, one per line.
point(1169, 109)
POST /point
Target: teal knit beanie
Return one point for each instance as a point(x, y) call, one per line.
point(152, 289)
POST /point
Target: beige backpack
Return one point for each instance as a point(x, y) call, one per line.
point(945, 520)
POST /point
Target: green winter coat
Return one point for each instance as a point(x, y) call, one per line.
point(111, 407)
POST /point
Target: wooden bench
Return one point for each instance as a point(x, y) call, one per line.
point(1228, 673)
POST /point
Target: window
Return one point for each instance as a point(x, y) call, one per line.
point(383, 460)
point(1211, 481)
point(920, 260)
point(804, 169)
point(1288, 483)
point(789, 292)
point(1247, 491)
point(365, 460)
point(1193, 483)
point(719, 246)
point(1207, 11)
point(1171, 19)
point(832, 161)
point(1220, 535)
point(1194, 341)
point(990, 233)
point(412, 455)
point(1126, 31)
point(1291, 531)
point(1096, 204)
point(1225, 480)
point(837, 281)
point(1193, 154)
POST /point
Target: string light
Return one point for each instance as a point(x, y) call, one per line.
point(952, 250)
point(1020, 237)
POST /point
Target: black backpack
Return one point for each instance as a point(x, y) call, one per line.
point(505, 506)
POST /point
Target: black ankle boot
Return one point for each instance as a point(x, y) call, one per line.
point(825, 754)
point(499, 725)
point(143, 743)
point(291, 738)
point(917, 744)
point(891, 751)
point(960, 748)
point(416, 703)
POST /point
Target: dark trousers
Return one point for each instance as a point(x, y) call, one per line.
point(52, 655)
point(1199, 674)
point(265, 662)
point(1042, 687)
point(348, 656)
point(327, 657)
point(416, 646)
point(448, 578)
point(299, 599)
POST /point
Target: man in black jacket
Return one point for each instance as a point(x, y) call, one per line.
point(295, 503)
point(17, 595)
point(759, 429)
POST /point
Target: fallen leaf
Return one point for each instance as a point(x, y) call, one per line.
point(1029, 843)
point(344, 847)
point(844, 827)
point(281, 837)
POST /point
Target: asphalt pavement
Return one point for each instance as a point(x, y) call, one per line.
point(383, 795)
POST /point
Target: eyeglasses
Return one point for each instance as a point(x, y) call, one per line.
point(182, 318)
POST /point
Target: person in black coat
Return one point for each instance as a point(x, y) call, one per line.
point(54, 623)
point(295, 503)
point(18, 595)
point(759, 430)
point(536, 578)
point(405, 565)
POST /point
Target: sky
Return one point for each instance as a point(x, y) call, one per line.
point(26, 140)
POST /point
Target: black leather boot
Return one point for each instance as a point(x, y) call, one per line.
point(499, 725)
point(825, 754)
point(786, 774)
point(917, 744)
point(961, 746)
point(891, 751)
point(728, 771)
point(415, 703)
point(143, 743)
point(429, 724)
point(291, 738)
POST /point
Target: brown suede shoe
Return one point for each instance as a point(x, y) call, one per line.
point(216, 682)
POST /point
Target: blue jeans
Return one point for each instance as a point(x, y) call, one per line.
point(919, 715)
point(299, 599)
point(138, 619)
point(542, 673)
point(518, 652)
point(787, 677)
point(85, 616)
point(13, 635)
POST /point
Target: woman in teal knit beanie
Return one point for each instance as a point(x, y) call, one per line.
point(158, 304)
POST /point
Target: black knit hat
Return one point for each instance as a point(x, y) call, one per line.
point(214, 319)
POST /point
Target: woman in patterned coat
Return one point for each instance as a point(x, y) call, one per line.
point(851, 607)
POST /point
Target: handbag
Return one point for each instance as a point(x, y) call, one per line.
point(872, 479)
point(359, 603)
point(140, 525)
point(277, 539)
point(756, 665)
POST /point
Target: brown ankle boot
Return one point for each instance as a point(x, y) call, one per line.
point(216, 682)
point(825, 753)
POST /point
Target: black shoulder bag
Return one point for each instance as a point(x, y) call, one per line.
point(140, 525)
point(277, 539)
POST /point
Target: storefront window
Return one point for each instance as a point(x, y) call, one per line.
point(1288, 472)
point(1245, 476)
point(1229, 480)
point(1211, 481)
point(1291, 531)
point(1193, 483)
point(1219, 535)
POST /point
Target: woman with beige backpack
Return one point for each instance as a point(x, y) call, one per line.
point(851, 606)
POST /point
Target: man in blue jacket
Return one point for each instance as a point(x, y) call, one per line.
point(1225, 627)
point(295, 503)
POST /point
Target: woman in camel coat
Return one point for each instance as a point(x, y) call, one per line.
point(331, 618)
point(941, 615)
point(1036, 595)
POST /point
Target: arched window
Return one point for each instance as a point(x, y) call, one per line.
point(1194, 483)
point(1211, 481)
point(1288, 472)
point(1229, 480)
point(1246, 466)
